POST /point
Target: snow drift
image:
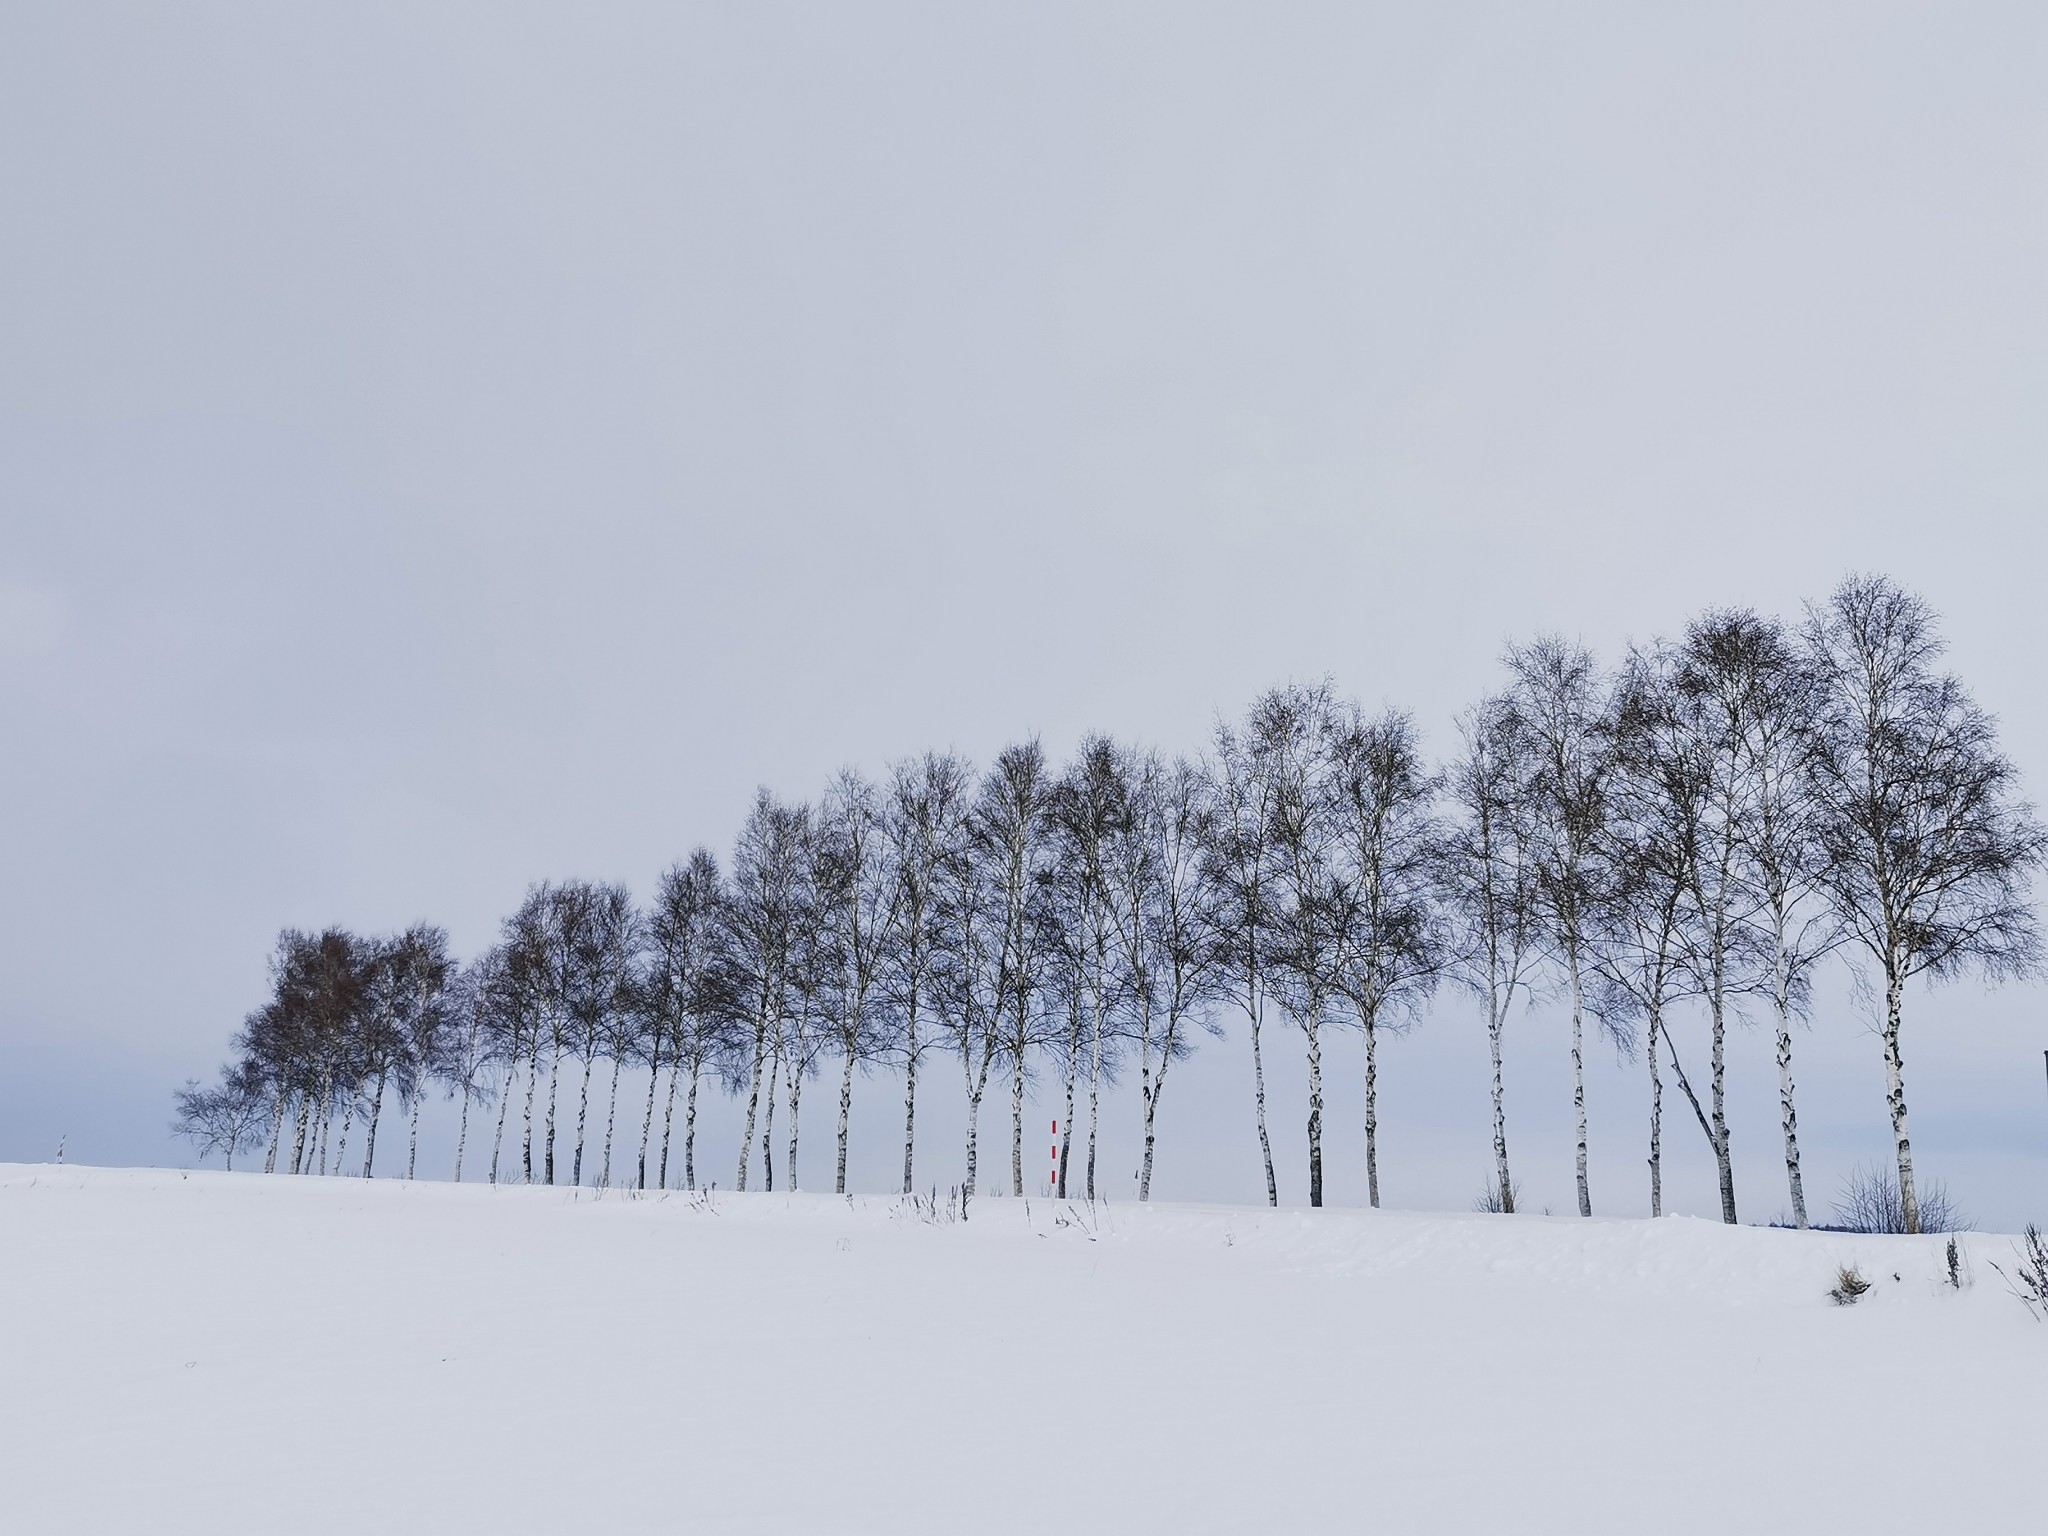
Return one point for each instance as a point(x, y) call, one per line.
point(211, 1352)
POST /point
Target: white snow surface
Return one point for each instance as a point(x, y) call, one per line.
point(213, 1352)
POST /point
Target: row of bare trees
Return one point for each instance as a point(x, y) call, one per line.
point(1689, 834)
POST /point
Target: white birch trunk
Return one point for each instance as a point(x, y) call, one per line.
point(1724, 1161)
point(910, 1090)
point(1067, 1120)
point(1656, 1115)
point(1311, 1026)
point(1579, 1071)
point(326, 1122)
point(1145, 1093)
point(668, 1122)
point(1017, 1129)
point(504, 1105)
point(647, 1119)
point(1781, 1001)
point(348, 1120)
point(690, 1133)
point(845, 1121)
point(1094, 1097)
point(554, 1084)
point(1372, 1113)
point(796, 1089)
point(582, 1118)
point(1724, 1165)
point(611, 1120)
point(370, 1133)
point(753, 1109)
point(768, 1126)
point(1151, 1123)
point(532, 1082)
point(1895, 1086)
point(973, 1148)
point(1496, 1024)
point(412, 1150)
point(1252, 1012)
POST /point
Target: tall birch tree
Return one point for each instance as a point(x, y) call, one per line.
point(1179, 815)
point(1651, 838)
point(422, 976)
point(1930, 851)
point(1561, 707)
point(760, 929)
point(925, 824)
point(1718, 689)
point(860, 909)
point(688, 1020)
point(1292, 734)
point(1092, 805)
point(988, 962)
point(1783, 858)
point(1239, 867)
point(1390, 933)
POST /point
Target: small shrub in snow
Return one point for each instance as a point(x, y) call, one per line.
point(1849, 1286)
point(1488, 1199)
point(929, 1209)
point(2029, 1277)
point(1870, 1202)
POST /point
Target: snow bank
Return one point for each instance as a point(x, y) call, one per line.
point(210, 1352)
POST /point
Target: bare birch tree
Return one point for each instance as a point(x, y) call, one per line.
point(419, 974)
point(688, 1018)
point(1178, 813)
point(759, 932)
point(1132, 872)
point(477, 1048)
point(1239, 867)
point(228, 1117)
point(523, 1016)
point(535, 961)
point(806, 1032)
point(859, 892)
point(1291, 733)
point(1784, 860)
point(277, 1039)
point(1066, 1001)
point(1719, 677)
point(1091, 806)
point(925, 825)
point(1650, 838)
point(596, 936)
point(319, 982)
point(989, 963)
point(1390, 933)
point(1561, 708)
point(1489, 872)
point(1930, 852)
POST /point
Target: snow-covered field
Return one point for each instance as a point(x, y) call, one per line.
point(232, 1353)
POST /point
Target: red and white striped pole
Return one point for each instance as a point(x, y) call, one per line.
point(1054, 1187)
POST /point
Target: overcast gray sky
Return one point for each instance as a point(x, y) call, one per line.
point(446, 446)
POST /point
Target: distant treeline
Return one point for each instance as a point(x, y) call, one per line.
point(1704, 823)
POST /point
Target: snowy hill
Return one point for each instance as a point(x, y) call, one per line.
point(214, 1352)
